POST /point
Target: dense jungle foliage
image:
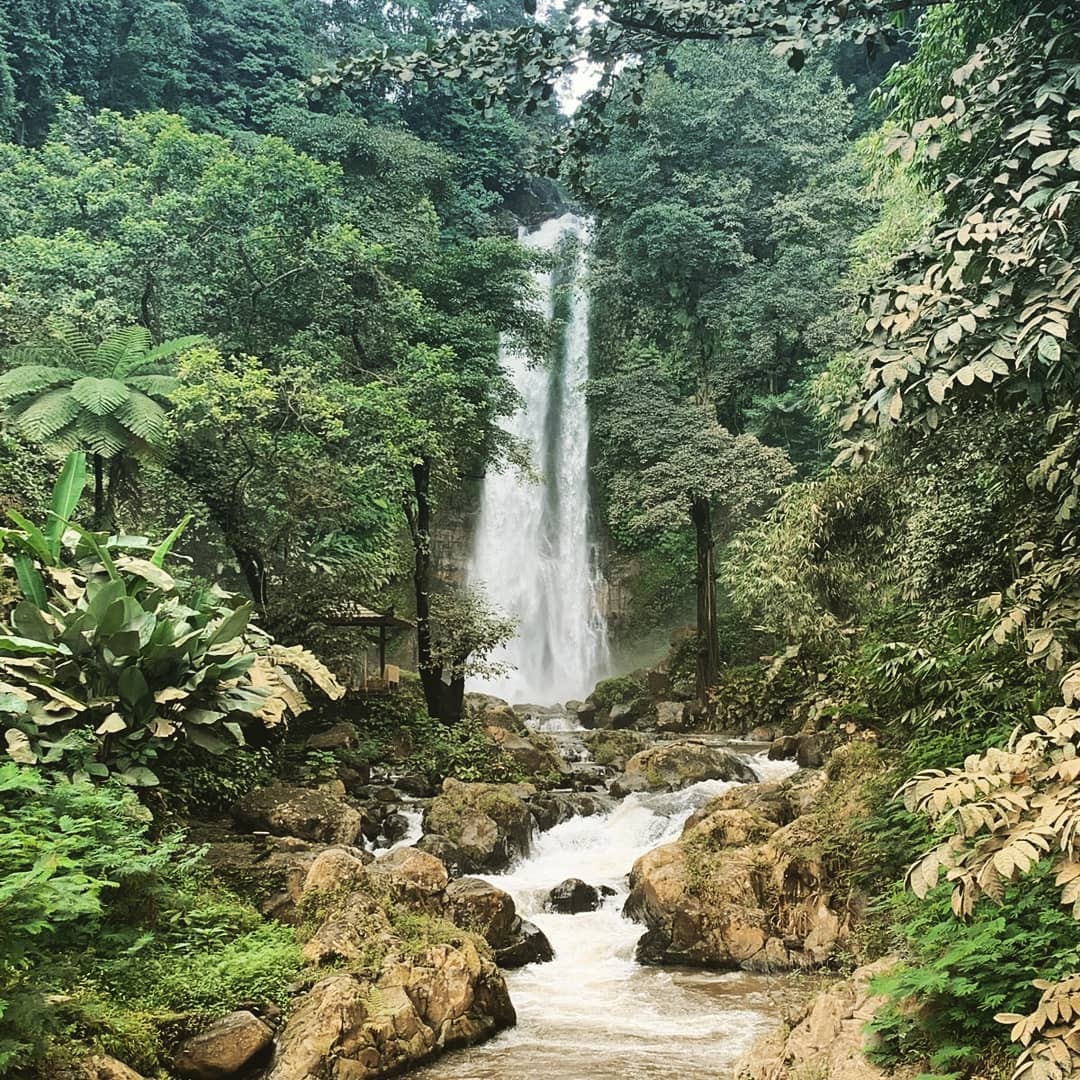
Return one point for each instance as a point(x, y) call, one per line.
point(256, 260)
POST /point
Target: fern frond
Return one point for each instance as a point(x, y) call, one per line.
point(47, 414)
point(119, 348)
point(101, 434)
point(143, 417)
point(32, 378)
point(100, 396)
point(167, 350)
point(73, 343)
point(158, 386)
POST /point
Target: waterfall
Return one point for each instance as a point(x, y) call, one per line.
point(533, 551)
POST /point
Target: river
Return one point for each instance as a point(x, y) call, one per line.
point(593, 1013)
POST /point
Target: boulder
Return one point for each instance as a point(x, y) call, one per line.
point(394, 827)
point(784, 748)
point(674, 765)
point(552, 808)
point(811, 751)
point(528, 945)
point(287, 810)
point(672, 716)
point(586, 714)
point(614, 748)
point(270, 870)
point(535, 754)
point(347, 1027)
point(735, 892)
point(628, 784)
point(100, 1067)
point(502, 716)
point(417, 785)
point(489, 824)
point(335, 870)
point(622, 716)
point(224, 1048)
point(477, 905)
point(412, 877)
point(830, 1040)
point(446, 851)
point(339, 737)
point(573, 896)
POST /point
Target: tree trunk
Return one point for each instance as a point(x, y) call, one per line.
point(254, 571)
point(708, 639)
point(419, 518)
point(99, 492)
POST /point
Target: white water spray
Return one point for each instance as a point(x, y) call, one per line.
point(593, 1013)
point(533, 550)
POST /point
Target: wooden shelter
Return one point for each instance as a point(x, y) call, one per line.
point(353, 613)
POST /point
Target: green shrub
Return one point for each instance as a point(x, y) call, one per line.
point(621, 690)
point(109, 660)
point(110, 938)
point(957, 975)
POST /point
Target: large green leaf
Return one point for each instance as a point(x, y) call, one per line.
point(163, 549)
point(65, 497)
point(21, 646)
point(32, 539)
point(234, 624)
point(29, 378)
point(33, 588)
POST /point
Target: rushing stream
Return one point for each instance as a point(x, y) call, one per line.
point(593, 1013)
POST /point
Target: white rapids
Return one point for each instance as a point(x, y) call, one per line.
point(593, 1013)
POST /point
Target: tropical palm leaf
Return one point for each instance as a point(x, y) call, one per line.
point(47, 414)
point(102, 397)
point(161, 386)
point(33, 378)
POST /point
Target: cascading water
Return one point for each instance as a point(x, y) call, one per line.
point(593, 1012)
point(533, 551)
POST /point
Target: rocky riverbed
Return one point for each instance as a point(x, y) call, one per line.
point(633, 921)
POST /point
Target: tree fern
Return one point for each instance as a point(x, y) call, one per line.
point(68, 393)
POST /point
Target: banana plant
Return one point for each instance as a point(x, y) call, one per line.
point(109, 659)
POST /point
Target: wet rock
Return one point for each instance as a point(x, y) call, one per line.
point(336, 870)
point(412, 877)
point(573, 896)
point(417, 785)
point(831, 1039)
point(351, 1028)
point(586, 714)
point(99, 1067)
point(614, 748)
point(737, 892)
point(534, 753)
point(622, 716)
point(674, 765)
point(484, 908)
point(446, 851)
point(672, 716)
point(811, 751)
point(339, 737)
point(529, 945)
point(628, 784)
point(572, 706)
point(553, 808)
point(224, 1048)
point(286, 810)
point(784, 748)
point(394, 827)
point(489, 824)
